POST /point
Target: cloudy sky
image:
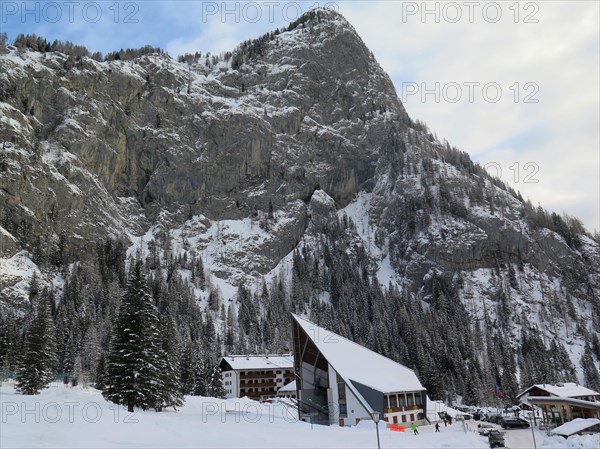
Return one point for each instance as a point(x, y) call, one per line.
point(516, 85)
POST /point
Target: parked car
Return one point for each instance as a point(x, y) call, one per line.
point(496, 439)
point(514, 423)
point(484, 429)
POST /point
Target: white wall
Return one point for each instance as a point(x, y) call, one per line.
point(353, 406)
point(231, 384)
point(355, 409)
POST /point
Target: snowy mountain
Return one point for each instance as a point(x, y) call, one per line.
point(284, 176)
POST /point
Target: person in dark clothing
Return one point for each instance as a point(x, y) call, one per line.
point(437, 426)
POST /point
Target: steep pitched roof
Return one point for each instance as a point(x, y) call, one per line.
point(358, 364)
point(250, 362)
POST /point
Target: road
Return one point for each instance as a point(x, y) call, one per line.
point(515, 438)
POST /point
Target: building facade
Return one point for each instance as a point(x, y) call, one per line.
point(340, 382)
point(257, 377)
point(562, 403)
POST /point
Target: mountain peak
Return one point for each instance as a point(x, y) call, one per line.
point(318, 15)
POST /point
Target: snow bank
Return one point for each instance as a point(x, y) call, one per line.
point(574, 442)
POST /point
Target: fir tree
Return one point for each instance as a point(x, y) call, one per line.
point(134, 376)
point(101, 373)
point(186, 369)
point(39, 358)
point(215, 387)
point(201, 377)
point(172, 395)
point(590, 371)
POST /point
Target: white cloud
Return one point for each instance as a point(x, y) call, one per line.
point(559, 54)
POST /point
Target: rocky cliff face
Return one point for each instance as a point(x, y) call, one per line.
point(88, 145)
point(242, 160)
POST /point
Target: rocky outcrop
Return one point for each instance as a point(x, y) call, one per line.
point(322, 211)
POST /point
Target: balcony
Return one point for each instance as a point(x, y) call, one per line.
point(257, 376)
point(257, 385)
point(406, 408)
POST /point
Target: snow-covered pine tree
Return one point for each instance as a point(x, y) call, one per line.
point(91, 352)
point(100, 373)
point(215, 384)
point(172, 394)
point(39, 358)
point(187, 369)
point(10, 343)
point(134, 376)
point(201, 376)
point(248, 317)
point(591, 374)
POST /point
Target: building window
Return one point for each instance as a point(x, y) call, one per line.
point(417, 399)
point(411, 399)
point(393, 401)
point(403, 418)
point(402, 398)
point(341, 391)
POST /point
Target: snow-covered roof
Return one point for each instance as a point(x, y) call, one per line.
point(356, 363)
point(566, 390)
point(250, 362)
point(291, 387)
point(577, 425)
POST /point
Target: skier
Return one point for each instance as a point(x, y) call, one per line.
point(437, 426)
point(413, 427)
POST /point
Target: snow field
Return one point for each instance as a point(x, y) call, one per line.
point(68, 417)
